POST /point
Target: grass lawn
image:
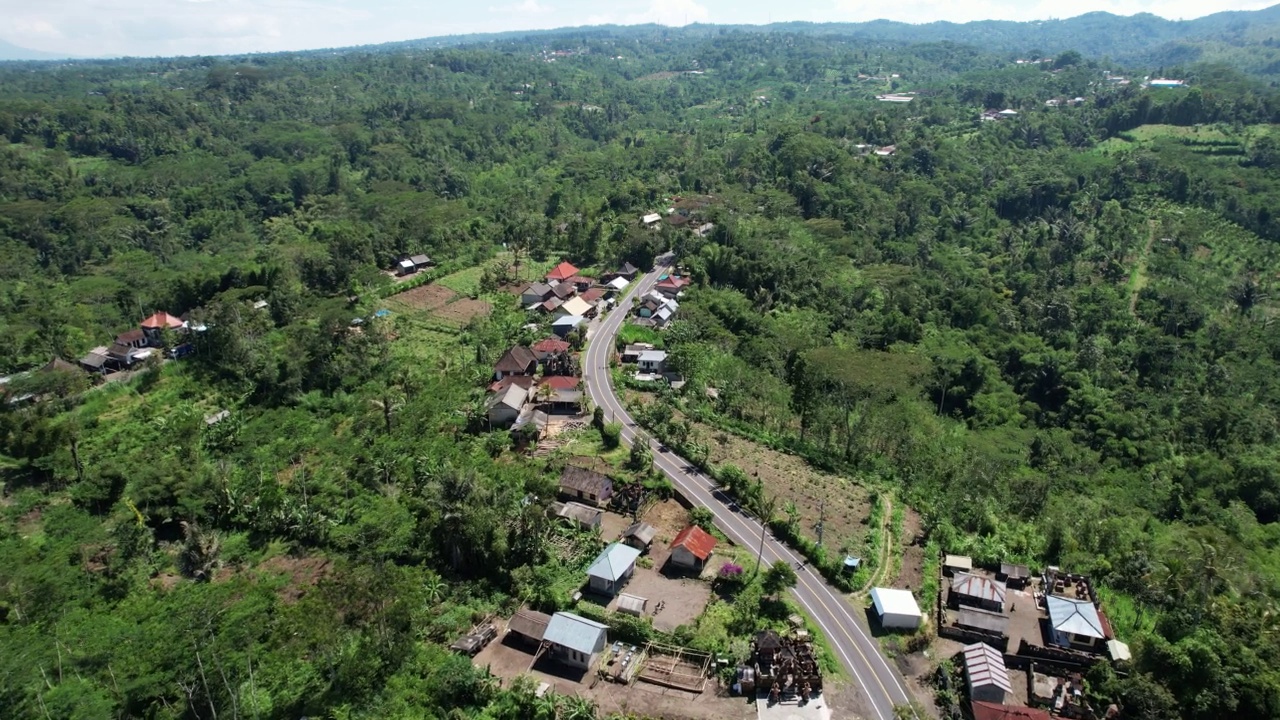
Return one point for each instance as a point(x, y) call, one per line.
point(467, 282)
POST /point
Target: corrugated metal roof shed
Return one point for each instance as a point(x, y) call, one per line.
point(633, 604)
point(976, 586)
point(984, 665)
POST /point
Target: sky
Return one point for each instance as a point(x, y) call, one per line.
point(95, 28)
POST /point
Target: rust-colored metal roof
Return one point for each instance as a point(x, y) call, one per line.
point(160, 320)
point(551, 345)
point(561, 382)
point(695, 540)
point(562, 271)
point(995, 711)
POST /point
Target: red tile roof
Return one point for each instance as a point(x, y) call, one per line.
point(695, 540)
point(561, 382)
point(995, 711)
point(563, 271)
point(160, 320)
point(551, 345)
point(673, 281)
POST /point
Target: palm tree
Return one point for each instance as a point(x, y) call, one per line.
point(433, 588)
point(577, 707)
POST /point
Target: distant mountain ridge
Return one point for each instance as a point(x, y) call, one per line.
point(1141, 37)
point(9, 51)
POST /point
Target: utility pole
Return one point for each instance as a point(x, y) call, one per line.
point(822, 506)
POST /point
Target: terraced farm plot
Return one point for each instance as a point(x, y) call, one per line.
point(460, 311)
point(425, 297)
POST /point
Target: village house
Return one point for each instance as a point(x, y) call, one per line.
point(592, 296)
point(652, 362)
point(536, 294)
point(575, 641)
point(500, 386)
point(421, 262)
point(551, 305)
point(405, 267)
point(135, 338)
point(546, 348)
point(627, 272)
point(651, 220)
point(566, 324)
point(561, 272)
point(583, 516)
point(575, 306)
point(612, 568)
point(1075, 624)
point(617, 284)
point(671, 285)
point(154, 327)
point(704, 229)
point(578, 283)
point(519, 360)
point(95, 360)
point(691, 548)
point(504, 408)
point(562, 291)
point(639, 536)
point(560, 401)
point(585, 485)
point(631, 353)
point(887, 150)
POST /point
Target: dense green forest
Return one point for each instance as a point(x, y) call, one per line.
point(1054, 332)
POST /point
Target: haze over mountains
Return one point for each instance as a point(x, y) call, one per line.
point(1137, 38)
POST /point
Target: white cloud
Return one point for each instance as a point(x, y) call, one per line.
point(924, 11)
point(528, 7)
point(198, 27)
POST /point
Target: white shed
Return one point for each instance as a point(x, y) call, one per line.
point(896, 608)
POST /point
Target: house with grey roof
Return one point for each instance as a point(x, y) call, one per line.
point(535, 294)
point(504, 408)
point(1075, 623)
point(612, 568)
point(652, 361)
point(575, 640)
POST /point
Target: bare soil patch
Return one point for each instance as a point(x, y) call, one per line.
point(847, 505)
point(423, 297)
point(669, 517)
point(460, 312)
point(911, 575)
point(301, 574)
point(685, 598)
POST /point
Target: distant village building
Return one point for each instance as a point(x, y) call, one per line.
point(503, 409)
point(518, 360)
point(639, 536)
point(561, 272)
point(583, 516)
point(977, 591)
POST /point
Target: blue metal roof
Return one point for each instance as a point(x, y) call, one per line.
point(575, 633)
point(614, 563)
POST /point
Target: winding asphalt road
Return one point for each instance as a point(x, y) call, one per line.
point(840, 622)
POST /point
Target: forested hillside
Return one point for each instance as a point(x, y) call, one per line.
point(1053, 331)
